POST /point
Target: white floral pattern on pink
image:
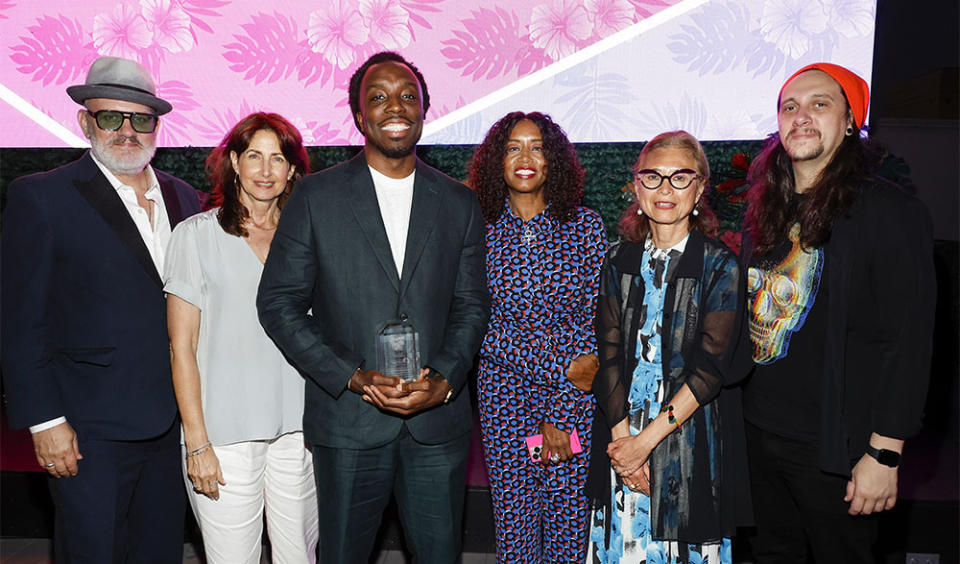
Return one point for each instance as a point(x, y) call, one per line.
point(337, 31)
point(559, 27)
point(169, 23)
point(609, 16)
point(122, 33)
point(852, 18)
point(207, 56)
point(388, 21)
point(788, 24)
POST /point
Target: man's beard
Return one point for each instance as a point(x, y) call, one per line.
point(808, 153)
point(122, 164)
point(395, 152)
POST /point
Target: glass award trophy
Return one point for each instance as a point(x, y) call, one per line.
point(398, 351)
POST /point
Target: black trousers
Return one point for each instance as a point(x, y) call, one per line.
point(799, 509)
point(354, 486)
point(125, 505)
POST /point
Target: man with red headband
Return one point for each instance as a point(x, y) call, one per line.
point(841, 286)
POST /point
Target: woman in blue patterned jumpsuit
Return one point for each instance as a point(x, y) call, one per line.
point(544, 254)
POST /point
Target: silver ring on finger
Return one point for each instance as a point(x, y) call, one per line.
point(49, 465)
point(554, 458)
point(211, 483)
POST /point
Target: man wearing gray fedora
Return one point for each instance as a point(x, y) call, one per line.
point(84, 338)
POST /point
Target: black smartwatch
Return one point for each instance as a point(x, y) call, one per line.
point(886, 457)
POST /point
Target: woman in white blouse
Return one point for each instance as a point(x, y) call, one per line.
point(240, 401)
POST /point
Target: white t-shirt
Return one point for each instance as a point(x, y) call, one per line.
point(395, 197)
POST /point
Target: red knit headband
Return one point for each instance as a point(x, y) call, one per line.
point(854, 88)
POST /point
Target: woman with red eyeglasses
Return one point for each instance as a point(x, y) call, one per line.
point(667, 472)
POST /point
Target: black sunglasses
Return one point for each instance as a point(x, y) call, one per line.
point(679, 179)
point(112, 120)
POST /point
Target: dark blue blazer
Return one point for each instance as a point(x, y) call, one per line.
point(84, 330)
point(331, 256)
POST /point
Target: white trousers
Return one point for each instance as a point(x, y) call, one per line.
point(276, 475)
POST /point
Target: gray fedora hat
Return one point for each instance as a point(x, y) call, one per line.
point(119, 79)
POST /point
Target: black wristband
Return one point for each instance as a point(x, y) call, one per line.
point(886, 457)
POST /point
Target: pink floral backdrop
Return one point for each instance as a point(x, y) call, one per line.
point(607, 70)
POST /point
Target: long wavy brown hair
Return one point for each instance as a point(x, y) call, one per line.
point(636, 227)
point(233, 214)
point(773, 208)
point(564, 185)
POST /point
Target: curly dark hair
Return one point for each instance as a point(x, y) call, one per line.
point(377, 58)
point(564, 186)
point(223, 177)
point(636, 227)
point(772, 207)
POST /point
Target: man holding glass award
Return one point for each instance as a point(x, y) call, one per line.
point(375, 288)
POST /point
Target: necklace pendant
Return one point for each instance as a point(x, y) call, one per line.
point(529, 235)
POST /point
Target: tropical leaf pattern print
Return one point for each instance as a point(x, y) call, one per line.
point(723, 36)
point(646, 8)
point(57, 50)
point(215, 123)
point(414, 9)
point(491, 45)
point(6, 5)
point(713, 40)
point(176, 125)
point(197, 9)
point(688, 114)
point(593, 102)
point(268, 51)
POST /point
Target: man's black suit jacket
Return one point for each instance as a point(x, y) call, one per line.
point(84, 331)
point(331, 257)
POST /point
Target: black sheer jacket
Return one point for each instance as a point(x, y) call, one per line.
point(699, 488)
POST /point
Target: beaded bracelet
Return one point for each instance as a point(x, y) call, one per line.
point(199, 450)
point(670, 417)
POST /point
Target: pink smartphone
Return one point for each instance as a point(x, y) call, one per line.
point(535, 445)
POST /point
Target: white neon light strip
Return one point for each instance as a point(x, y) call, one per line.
point(42, 119)
point(558, 67)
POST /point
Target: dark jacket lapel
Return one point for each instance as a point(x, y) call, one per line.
point(96, 189)
point(423, 220)
point(170, 199)
point(367, 211)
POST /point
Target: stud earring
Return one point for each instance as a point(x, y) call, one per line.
point(639, 210)
point(695, 212)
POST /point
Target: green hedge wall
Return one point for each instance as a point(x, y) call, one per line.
point(608, 168)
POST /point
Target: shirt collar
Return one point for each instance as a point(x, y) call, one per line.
point(679, 246)
point(511, 216)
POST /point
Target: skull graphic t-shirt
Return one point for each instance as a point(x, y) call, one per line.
point(782, 290)
point(787, 304)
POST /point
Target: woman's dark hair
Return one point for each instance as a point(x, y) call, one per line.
point(636, 227)
point(377, 58)
point(772, 208)
point(224, 178)
point(564, 185)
